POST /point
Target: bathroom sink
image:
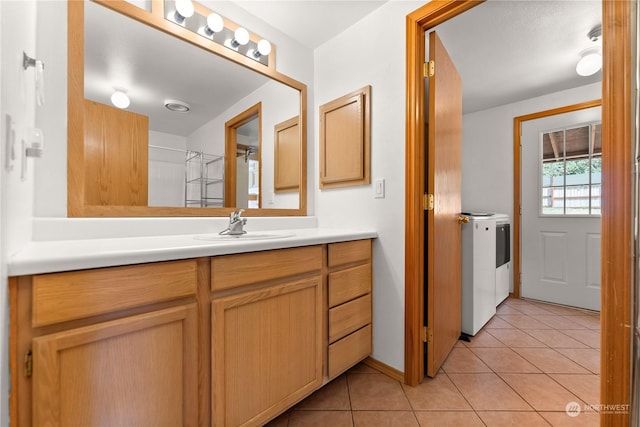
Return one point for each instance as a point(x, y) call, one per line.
point(243, 237)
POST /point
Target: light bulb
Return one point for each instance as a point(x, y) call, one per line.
point(240, 37)
point(264, 47)
point(120, 99)
point(184, 9)
point(215, 24)
point(590, 62)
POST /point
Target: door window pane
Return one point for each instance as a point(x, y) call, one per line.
point(571, 171)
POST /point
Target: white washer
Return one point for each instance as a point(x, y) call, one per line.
point(478, 271)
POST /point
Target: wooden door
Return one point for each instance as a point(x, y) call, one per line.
point(267, 351)
point(136, 371)
point(116, 156)
point(443, 307)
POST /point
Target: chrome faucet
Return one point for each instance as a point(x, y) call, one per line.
point(236, 222)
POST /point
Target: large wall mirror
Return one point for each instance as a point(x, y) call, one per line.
point(202, 132)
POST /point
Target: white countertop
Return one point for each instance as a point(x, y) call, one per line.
point(39, 257)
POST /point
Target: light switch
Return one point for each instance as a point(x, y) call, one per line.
point(378, 188)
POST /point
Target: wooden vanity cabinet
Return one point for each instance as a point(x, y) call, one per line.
point(350, 304)
point(267, 313)
point(111, 346)
point(230, 340)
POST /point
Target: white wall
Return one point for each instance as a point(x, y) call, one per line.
point(371, 53)
point(17, 34)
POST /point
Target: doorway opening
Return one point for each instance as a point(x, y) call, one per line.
point(242, 166)
point(617, 206)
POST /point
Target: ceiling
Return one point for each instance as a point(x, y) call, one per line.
point(310, 22)
point(505, 51)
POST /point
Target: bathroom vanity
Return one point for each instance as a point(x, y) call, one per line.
point(233, 335)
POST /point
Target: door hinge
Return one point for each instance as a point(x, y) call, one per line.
point(428, 202)
point(429, 69)
point(28, 364)
point(427, 334)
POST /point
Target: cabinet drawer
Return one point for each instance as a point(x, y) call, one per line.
point(349, 317)
point(348, 252)
point(230, 271)
point(345, 285)
point(348, 351)
point(59, 297)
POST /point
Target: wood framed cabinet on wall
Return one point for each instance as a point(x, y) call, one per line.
point(345, 140)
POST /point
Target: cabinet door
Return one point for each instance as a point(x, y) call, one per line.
point(136, 371)
point(267, 351)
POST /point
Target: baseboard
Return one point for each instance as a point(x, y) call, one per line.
point(384, 369)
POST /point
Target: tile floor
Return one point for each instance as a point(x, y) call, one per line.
point(521, 369)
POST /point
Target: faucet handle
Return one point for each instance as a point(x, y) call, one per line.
point(236, 215)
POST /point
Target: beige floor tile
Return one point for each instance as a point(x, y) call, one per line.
point(437, 393)
point(488, 392)
point(507, 309)
point(550, 361)
point(540, 391)
point(497, 323)
point(556, 339)
point(586, 357)
point(591, 322)
point(588, 336)
point(515, 338)
point(485, 339)
point(448, 419)
point(461, 359)
point(586, 387)
point(562, 309)
point(512, 419)
point(524, 322)
point(333, 396)
point(384, 419)
point(320, 419)
point(533, 309)
point(561, 419)
point(376, 392)
point(361, 368)
point(559, 322)
point(504, 360)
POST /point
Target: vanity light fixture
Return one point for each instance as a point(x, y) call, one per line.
point(120, 99)
point(184, 10)
point(177, 106)
point(216, 28)
point(591, 58)
point(240, 37)
point(215, 24)
point(264, 48)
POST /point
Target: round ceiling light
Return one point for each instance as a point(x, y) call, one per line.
point(590, 61)
point(120, 99)
point(177, 106)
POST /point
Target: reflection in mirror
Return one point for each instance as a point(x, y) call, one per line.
point(248, 164)
point(188, 158)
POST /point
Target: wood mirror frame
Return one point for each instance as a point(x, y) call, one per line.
point(79, 167)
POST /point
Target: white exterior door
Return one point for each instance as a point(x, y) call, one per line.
point(560, 259)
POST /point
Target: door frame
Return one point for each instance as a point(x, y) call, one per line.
point(231, 148)
point(517, 178)
point(617, 201)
